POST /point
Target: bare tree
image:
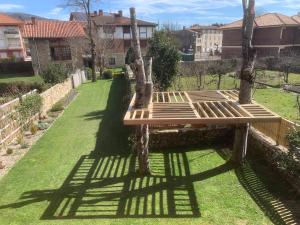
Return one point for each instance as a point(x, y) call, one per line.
point(247, 77)
point(144, 90)
point(104, 40)
point(85, 6)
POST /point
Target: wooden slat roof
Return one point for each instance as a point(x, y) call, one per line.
point(197, 107)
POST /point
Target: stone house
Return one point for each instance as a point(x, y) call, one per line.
point(11, 42)
point(52, 41)
point(113, 35)
point(274, 35)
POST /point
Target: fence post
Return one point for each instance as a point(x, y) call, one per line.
point(278, 132)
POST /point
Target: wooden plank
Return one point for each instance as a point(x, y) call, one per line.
point(225, 109)
point(209, 109)
point(232, 109)
point(216, 108)
point(202, 110)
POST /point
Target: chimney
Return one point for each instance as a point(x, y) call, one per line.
point(33, 20)
point(120, 13)
point(100, 12)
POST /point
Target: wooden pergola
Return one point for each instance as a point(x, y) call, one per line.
point(197, 107)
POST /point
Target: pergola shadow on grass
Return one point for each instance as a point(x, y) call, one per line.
point(104, 184)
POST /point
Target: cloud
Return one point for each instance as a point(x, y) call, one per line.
point(55, 11)
point(8, 6)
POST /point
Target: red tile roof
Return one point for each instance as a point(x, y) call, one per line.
point(296, 18)
point(6, 20)
point(266, 20)
point(52, 29)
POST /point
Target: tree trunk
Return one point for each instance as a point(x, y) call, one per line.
point(219, 81)
point(142, 131)
point(247, 79)
point(92, 43)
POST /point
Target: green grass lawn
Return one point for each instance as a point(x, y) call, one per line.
point(282, 102)
point(7, 78)
point(82, 172)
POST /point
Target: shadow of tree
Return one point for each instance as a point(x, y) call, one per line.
point(271, 193)
point(104, 183)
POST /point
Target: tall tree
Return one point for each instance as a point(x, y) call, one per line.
point(86, 6)
point(247, 77)
point(165, 59)
point(144, 91)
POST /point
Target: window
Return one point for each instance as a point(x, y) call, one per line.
point(61, 53)
point(126, 29)
point(112, 61)
point(143, 32)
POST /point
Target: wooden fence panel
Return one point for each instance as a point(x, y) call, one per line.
point(276, 130)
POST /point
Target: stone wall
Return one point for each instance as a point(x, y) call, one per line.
point(260, 146)
point(54, 94)
point(189, 137)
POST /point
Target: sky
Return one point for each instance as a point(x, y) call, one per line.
point(176, 12)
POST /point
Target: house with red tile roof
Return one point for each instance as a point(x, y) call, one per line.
point(274, 35)
point(11, 42)
point(116, 29)
point(53, 41)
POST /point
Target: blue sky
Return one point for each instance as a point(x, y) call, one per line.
point(181, 12)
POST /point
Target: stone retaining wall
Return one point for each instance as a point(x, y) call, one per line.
point(189, 137)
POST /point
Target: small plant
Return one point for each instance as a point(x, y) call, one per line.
point(107, 74)
point(293, 137)
point(9, 151)
point(33, 129)
point(28, 107)
point(55, 73)
point(20, 139)
point(58, 106)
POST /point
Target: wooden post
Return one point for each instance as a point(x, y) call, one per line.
point(142, 100)
point(247, 79)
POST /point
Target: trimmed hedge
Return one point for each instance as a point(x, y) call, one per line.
point(16, 67)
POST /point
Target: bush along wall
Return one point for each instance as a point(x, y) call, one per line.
point(16, 67)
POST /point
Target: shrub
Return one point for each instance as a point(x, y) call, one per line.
point(293, 137)
point(58, 106)
point(9, 151)
point(21, 87)
point(33, 129)
point(107, 74)
point(88, 73)
point(166, 57)
point(28, 107)
point(14, 66)
point(55, 73)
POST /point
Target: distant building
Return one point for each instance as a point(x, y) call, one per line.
point(274, 35)
point(11, 42)
point(208, 42)
point(55, 41)
point(204, 42)
point(117, 28)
